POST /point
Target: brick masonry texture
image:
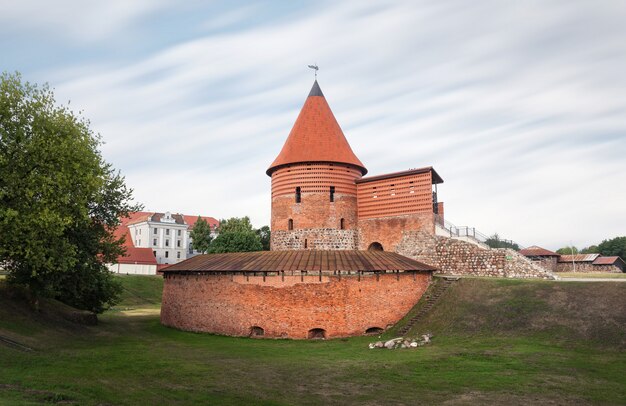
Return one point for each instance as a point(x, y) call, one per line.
point(462, 258)
point(343, 306)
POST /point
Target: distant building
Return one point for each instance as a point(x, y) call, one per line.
point(156, 239)
point(543, 257)
point(573, 263)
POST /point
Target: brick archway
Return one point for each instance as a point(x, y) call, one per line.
point(375, 246)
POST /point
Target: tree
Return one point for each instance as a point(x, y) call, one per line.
point(59, 200)
point(613, 247)
point(201, 235)
point(236, 235)
point(236, 225)
point(235, 242)
point(567, 251)
point(495, 242)
point(592, 249)
point(264, 234)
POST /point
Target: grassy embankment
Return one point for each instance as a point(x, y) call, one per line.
point(495, 341)
point(592, 275)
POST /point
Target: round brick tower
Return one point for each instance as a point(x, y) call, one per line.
point(314, 204)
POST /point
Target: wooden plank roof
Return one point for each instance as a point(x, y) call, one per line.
point(304, 260)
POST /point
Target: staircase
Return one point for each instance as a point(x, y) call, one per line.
point(442, 285)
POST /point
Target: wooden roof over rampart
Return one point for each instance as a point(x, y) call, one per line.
point(304, 260)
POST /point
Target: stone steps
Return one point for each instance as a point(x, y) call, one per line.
point(430, 302)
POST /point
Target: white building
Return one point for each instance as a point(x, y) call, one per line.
point(156, 239)
point(167, 234)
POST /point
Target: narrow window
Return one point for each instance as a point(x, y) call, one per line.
point(167, 231)
point(167, 243)
point(298, 195)
point(332, 193)
point(154, 242)
point(154, 253)
point(139, 242)
point(178, 243)
point(342, 224)
point(179, 233)
point(290, 225)
point(178, 254)
point(306, 245)
point(155, 230)
point(167, 254)
point(140, 231)
point(190, 248)
point(393, 190)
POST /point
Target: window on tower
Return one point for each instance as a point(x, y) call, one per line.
point(290, 225)
point(342, 224)
point(298, 195)
point(332, 193)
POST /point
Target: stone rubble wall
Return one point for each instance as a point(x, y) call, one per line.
point(586, 267)
point(318, 239)
point(457, 257)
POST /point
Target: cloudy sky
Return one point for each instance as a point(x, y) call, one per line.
point(520, 106)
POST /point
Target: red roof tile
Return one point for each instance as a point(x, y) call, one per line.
point(536, 251)
point(316, 137)
point(134, 255)
point(191, 220)
point(607, 260)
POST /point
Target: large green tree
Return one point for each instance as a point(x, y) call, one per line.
point(59, 200)
point(236, 235)
point(612, 247)
point(201, 235)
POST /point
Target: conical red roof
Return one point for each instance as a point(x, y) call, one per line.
point(316, 137)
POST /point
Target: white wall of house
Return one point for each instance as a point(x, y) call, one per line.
point(133, 269)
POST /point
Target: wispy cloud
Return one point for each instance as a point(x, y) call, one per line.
point(519, 107)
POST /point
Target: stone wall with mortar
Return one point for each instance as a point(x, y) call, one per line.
point(462, 258)
point(318, 239)
point(586, 267)
point(388, 231)
point(289, 306)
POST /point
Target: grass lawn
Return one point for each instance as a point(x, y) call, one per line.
point(607, 275)
point(495, 342)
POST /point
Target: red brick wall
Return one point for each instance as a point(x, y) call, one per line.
point(395, 196)
point(343, 306)
point(388, 230)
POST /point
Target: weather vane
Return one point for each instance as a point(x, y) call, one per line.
point(315, 68)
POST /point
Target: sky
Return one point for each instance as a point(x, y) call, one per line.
point(519, 106)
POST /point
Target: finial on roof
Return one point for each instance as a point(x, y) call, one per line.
point(315, 68)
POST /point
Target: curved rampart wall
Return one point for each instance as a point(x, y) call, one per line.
point(289, 306)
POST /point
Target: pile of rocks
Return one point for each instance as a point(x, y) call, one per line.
point(402, 342)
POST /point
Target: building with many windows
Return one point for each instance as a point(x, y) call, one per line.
point(156, 239)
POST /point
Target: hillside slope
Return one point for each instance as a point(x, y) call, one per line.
point(594, 312)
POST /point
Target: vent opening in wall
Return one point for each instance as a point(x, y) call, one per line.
point(256, 331)
point(375, 246)
point(374, 330)
point(316, 334)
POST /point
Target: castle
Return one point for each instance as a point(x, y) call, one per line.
point(320, 199)
point(350, 255)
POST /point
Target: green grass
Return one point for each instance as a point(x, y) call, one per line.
point(140, 291)
point(607, 275)
point(495, 342)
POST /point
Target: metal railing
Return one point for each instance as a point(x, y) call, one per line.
point(468, 232)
